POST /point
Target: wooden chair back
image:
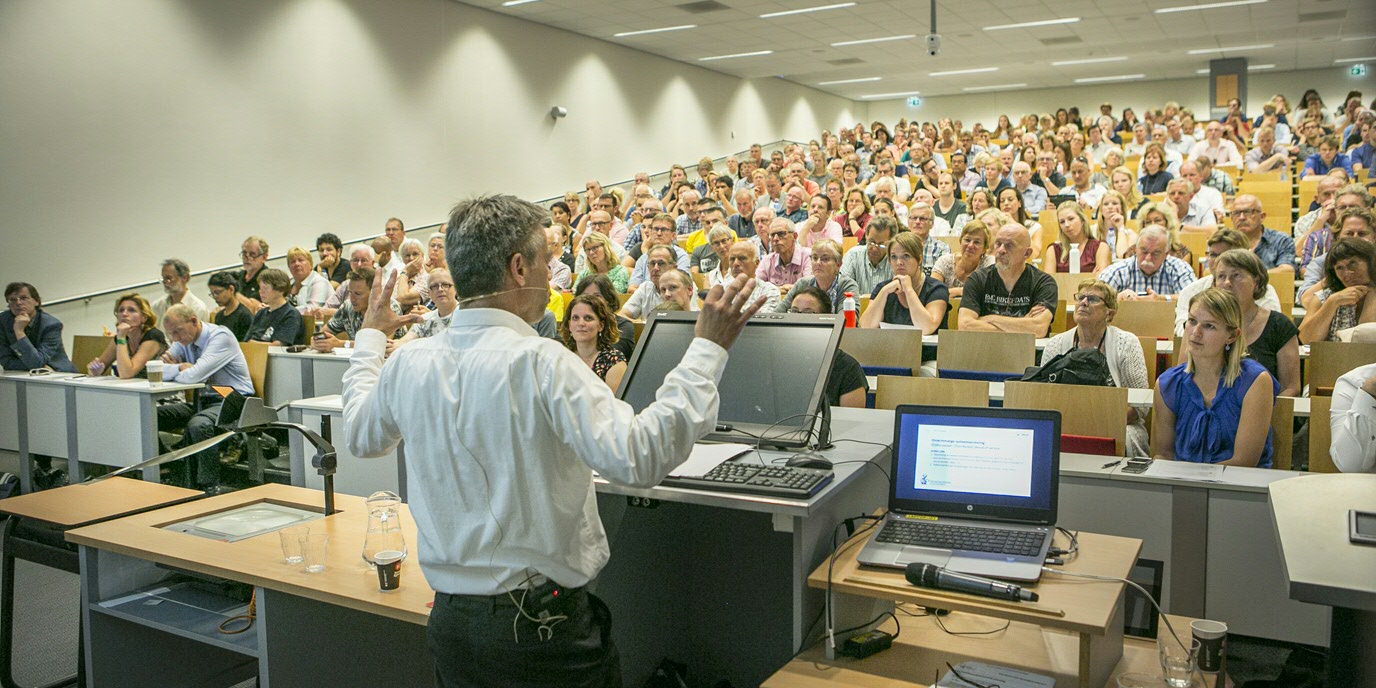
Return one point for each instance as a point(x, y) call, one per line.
point(86, 347)
point(848, 243)
point(1061, 321)
point(256, 355)
point(1068, 284)
point(1320, 435)
point(884, 348)
point(621, 299)
point(1198, 243)
point(308, 326)
point(1149, 354)
point(953, 314)
point(893, 390)
point(1307, 189)
point(1177, 352)
point(1271, 176)
point(999, 352)
point(1329, 361)
point(699, 279)
point(864, 303)
point(952, 242)
point(1146, 318)
point(1283, 280)
point(1085, 410)
point(1282, 432)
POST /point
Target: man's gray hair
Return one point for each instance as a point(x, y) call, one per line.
point(1353, 190)
point(411, 241)
point(483, 234)
point(179, 312)
point(182, 269)
point(362, 247)
point(1155, 231)
point(718, 231)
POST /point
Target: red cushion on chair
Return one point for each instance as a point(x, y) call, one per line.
point(1088, 444)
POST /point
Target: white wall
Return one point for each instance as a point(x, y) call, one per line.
point(1332, 84)
point(142, 129)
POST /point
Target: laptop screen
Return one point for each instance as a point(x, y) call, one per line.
point(977, 462)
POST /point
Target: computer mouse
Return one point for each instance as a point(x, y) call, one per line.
point(806, 461)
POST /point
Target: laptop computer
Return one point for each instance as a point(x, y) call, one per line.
point(973, 490)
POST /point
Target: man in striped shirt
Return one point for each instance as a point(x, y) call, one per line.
point(1152, 273)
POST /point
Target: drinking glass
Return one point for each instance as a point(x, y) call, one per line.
point(1178, 663)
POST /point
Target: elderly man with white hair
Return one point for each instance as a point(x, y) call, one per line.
point(1034, 197)
point(884, 188)
point(1151, 273)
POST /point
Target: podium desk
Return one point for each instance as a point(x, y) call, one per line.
point(325, 630)
point(1310, 517)
point(1075, 631)
point(355, 476)
point(33, 533)
point(719, 580)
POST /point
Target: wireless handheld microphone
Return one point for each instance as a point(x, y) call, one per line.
point(938, 578)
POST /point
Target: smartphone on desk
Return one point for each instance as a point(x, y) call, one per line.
point(1137, 465)
point(297, 348)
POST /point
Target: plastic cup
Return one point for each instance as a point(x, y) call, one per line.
point(154, 369)
point(1212, 637)
point(388, 565)
point(314, 548)
point(291, 544)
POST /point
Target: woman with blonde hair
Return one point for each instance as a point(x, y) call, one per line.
point(602, 261)
point(309, 288)
point(1121, 180)
point(1110, 222)
point(1095, 254)
point(1216, 406)
point(952, 269)
point(137, 339)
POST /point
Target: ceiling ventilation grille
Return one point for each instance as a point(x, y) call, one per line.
point(702, 7)
point(842, 62)
point(1063, 40)
point(1336, 15)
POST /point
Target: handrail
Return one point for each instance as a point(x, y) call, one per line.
point(87, 297)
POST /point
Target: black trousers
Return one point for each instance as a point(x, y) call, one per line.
point(474, 644)
point(195, 426)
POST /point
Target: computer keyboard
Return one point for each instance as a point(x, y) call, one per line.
point(768, 481)
point(1026, 543)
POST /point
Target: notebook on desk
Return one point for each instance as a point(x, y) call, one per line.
point(973, 490)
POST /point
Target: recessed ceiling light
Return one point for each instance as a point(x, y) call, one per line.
point(1257, 68)
point(1358, 38)
point(849, 81)
point(662, 29)
point(1207, 6)
point(978, 70)
point(897, 94)
point(513, 3)
point(1354, 59)
point(729, 57)
point(1090, 60)
point(874, 40)
point(1031, 24)
point(1000, 87)
point(1201, 71)
point(1236, 48)
point(1119, 77)
point(807, 9)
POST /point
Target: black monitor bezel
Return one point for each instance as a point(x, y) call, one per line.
point(778, 435)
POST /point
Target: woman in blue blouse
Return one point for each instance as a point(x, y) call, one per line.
point(1216, 406)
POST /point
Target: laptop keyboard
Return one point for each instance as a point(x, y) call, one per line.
point(1024, 543)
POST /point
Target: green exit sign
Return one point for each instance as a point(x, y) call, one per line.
point(1357, 70)
point(914, 101)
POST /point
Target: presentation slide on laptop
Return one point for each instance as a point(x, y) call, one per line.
point(993, 460)
point(954, 458)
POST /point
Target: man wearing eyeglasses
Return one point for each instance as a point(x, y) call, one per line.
point(1046, 176)
point(660, 232)
point(789, 262)
point(1273, 248)
point(1220, 242)
point(920, 220)
point(254, 254)
point(646, 297)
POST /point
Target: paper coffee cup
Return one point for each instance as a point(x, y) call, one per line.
point(154, 370)
point(388, 564)
point(1212, 637)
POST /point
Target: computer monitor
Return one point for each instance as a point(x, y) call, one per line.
point(775, 378)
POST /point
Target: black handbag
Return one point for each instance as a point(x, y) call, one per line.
point(1075, 367)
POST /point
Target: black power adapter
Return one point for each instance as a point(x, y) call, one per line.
point(862, 645)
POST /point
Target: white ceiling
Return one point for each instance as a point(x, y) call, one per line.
point(1306, 34)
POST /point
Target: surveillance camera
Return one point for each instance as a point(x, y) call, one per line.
point(934, 44)
point(558, 112)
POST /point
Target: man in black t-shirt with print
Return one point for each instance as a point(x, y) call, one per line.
point(1010, 295)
